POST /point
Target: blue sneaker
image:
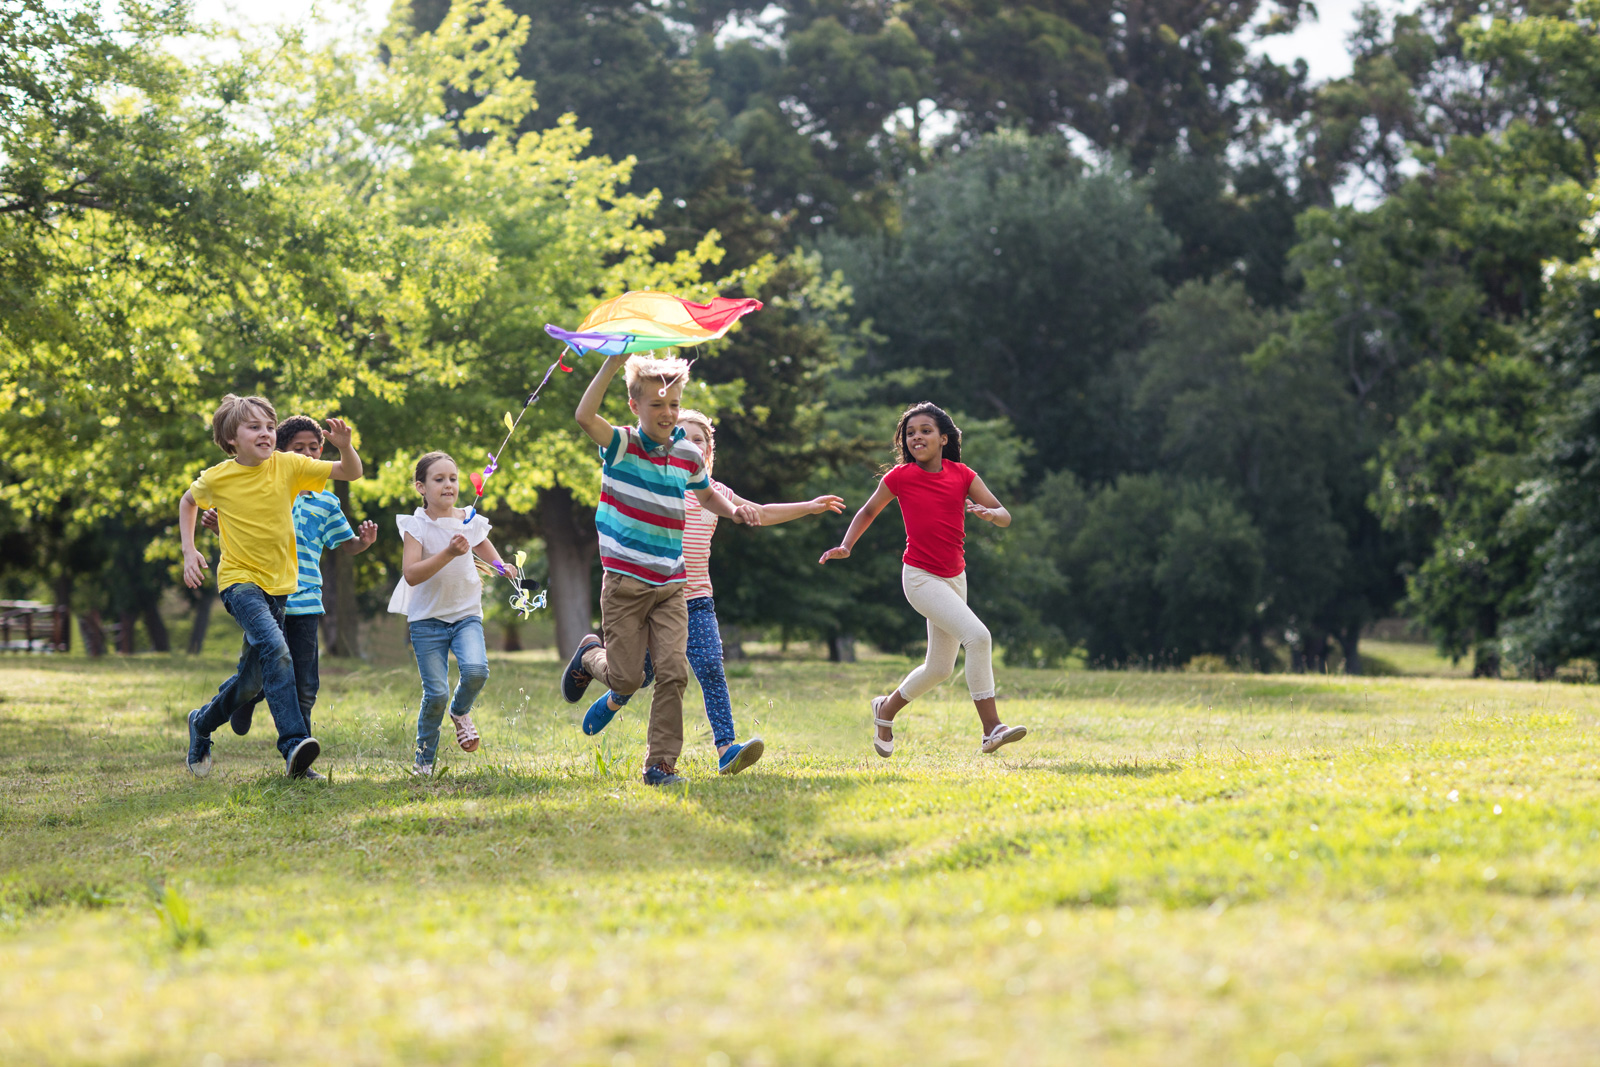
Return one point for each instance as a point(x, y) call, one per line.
point(576, 679)
point(600, 713)
point(737, 757)
point(661, 774)
point(199, 758)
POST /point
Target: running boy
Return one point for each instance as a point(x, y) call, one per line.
point(254, 494)
point(318, 524)
point(644, 472)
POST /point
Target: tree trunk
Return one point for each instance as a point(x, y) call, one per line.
point(511, 641)
point(1486, 650)
point(202, 620)
point(341, 621)
point(570, 544)
point(61, 635)
point(128, 621)
point(842, 648)
point(94, 636)
point(1350, 641)
point(156, 627)
point(732, 641)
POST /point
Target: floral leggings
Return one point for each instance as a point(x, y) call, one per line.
point(705, 659)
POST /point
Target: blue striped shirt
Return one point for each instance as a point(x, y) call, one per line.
point(640, 517)
point(318, 524)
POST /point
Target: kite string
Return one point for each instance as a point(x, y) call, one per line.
point(495, 457)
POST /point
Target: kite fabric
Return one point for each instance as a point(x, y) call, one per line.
point(646, 321)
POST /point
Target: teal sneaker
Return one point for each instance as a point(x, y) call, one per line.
point(736, 757)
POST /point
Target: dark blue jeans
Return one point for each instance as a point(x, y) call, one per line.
point(301, 633)
point(265, 664)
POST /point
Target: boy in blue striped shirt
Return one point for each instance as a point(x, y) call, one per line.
point(644, 472)
point(318, 525)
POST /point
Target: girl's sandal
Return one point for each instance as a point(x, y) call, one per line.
point(1003, 735)
point(466, 733)
point(879, 745)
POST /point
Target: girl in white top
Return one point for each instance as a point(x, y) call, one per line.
point(441, 595)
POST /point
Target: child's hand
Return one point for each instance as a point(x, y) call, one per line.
point(339, 434)
point(367, 533)
point(208, 518)
point(835, 553)
point(749, 514)
point(458, 545)
point(986, 514)
point(834, 504)
point(194, 566)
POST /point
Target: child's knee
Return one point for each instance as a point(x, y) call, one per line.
point(473, 676)
point(979, 642)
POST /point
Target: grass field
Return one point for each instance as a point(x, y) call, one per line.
point(1172, 868)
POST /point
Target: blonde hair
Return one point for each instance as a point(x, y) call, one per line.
point(702, 420)
point(641, 369)
point(231, 412)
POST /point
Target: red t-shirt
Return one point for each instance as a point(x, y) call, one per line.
point(934, 507)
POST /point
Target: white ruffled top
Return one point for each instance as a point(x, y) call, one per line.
point(455, 591)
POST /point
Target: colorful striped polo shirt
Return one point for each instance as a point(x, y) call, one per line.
point(318, 524)
point(640, 517)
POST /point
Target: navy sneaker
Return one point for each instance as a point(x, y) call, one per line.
point(661, 774)
point(240, 719)
point(301, 757)
point(649, 669)
point(600, 713)
point(737, 757)
point(576, 680)
point(199, 758)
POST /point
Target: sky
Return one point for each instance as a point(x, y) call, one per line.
point(1319, 43)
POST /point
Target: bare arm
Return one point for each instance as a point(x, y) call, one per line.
point(417, 569)
point(588, 414)
point(717, 504)
point(194, 564)
point(875, 503)
point(985, 505)
point(366, 533)
point(773, 514)
point(348, 469)
point(485, 551)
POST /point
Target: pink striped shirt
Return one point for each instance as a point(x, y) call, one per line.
point(698, 526)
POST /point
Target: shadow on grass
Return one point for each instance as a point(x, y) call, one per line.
point(1081, 769)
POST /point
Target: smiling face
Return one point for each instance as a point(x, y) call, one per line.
point(924, 443)
point(656, 412)
point(695, 434)
point(307, 443)
point(255, 437)
point(440, 485)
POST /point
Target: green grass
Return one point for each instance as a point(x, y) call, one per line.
point(1172, 868)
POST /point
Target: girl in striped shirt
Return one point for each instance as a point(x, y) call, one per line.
point(705, 639)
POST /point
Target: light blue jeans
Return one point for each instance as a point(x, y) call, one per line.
point(432, 641)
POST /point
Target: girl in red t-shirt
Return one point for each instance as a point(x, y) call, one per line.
point(936, 492)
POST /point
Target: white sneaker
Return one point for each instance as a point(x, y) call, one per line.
point(422, 770)
point(1003, 735)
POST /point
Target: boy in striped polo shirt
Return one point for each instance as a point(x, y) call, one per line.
point(318, 525)
point(644, 473)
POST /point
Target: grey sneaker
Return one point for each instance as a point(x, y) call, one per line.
point(301, 757)
point(199, 758)
point(422, 770)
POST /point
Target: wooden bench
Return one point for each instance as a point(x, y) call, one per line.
point(34, 626)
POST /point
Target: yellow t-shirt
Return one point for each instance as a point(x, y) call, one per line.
point(255, 516)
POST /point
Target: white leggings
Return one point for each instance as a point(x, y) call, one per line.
point(951, 627)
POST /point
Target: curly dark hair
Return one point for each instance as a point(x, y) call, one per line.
point(941, 419)
point(296, 424)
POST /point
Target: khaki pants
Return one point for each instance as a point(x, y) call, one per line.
point(635, 616)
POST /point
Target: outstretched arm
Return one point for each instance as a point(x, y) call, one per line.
point(588, 414)
point(985, 505)
point(717, 504)
point(348, 469)
point(485, 551)
point(194, 564)
point(773, 514)
point(366, 533)
point(875, 503)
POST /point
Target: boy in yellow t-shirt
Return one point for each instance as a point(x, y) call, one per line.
point(254, 496)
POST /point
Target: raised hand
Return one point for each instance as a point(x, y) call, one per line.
point(367, 533)
point(840, 552)
point(458, 545)
point(339, 434)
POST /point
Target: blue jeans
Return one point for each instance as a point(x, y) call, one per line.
point(300, 631)
point(265, 665)
point(705, 658)
point(432, 642)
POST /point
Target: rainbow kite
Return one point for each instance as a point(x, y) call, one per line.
point(644, 322)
